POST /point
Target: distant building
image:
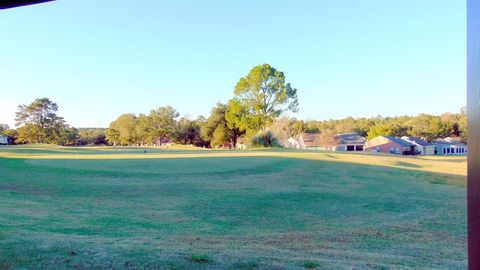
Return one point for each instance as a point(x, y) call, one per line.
point(450, 146)
point(349, 142)
point(310, 141)
point(390, 144)
point(316, 141)
point(422, 147)
point(4, 140)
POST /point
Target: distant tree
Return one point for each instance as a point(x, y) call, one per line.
point(39, 122)
point(67, 136)
point(11, 135)
point(144, 130)
point(112, 135)
point(3, 128)
point(163, 122)
point(462, 123)
point(217, 130)
point(312, 127)
point(284, 128)
point(188, 132)
point(363, 125)
point(92, 136)
point(429, 127)
point(327, 138)
point(238, 118)
point(379, 131)
point(122, 130)
point(264, 95)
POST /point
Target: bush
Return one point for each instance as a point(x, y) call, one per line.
point(264, 139)
point(198, 258)
point(310, 264)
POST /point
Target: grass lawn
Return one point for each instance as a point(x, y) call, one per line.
point(181, 208)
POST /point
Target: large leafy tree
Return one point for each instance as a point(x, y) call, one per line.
point(122, 130)
point(39, 123)
point(112, 135)
point(164, 120)
point(144, 130)
point(188, 132)
point(218, 131)
point(265, 95)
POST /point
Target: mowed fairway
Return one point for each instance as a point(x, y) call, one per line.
point(106, 208)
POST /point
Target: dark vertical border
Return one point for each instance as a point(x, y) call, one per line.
point(473, 114)
point(4, 4)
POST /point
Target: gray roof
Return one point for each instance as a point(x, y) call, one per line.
point(398, 141)
point(417, 140)
point(458, 144)
point(449, 141)
point(350, 138)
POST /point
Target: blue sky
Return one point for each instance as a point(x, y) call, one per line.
point(98, 59)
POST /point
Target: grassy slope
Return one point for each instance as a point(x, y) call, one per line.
point(119, 208)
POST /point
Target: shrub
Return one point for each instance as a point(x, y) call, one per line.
point(310, 264)
point(264, 139)
point(200, 258)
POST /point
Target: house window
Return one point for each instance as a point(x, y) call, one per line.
point(350, 147)
point(452, 151)
point(377, 149)
point(397, 150)
point(392, 150)
point(444, 150)
point(358, 147)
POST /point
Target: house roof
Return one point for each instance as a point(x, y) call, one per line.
point(449, 141)
point(398, 141)
point(416, 140)
point(311, 139)
point(350, 138)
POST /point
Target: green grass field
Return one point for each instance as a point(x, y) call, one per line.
point(106, 208)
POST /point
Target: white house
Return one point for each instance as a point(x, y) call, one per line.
point(422, 147)
point(450, 146)
point(3, 140)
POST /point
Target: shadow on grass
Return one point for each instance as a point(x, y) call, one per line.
point(268, 206)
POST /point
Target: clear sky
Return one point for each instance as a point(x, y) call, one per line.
point(98, 59)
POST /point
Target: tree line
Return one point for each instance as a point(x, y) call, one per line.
point(253, 114)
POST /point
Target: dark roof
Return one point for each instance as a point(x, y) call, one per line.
point(417, 140)
point(350, 138)
point(398, 141)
